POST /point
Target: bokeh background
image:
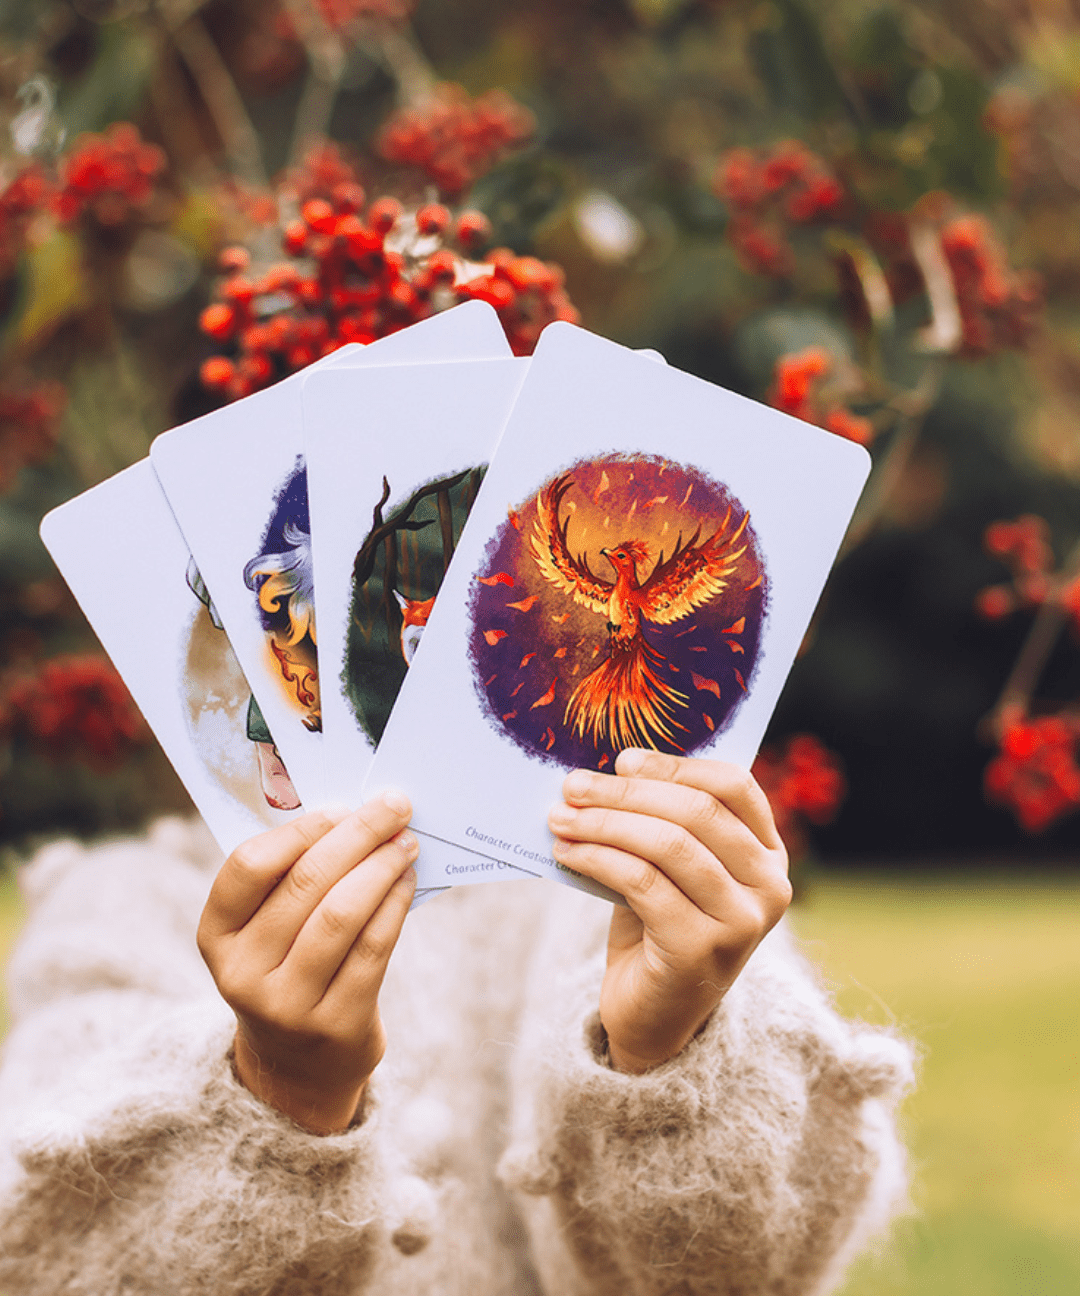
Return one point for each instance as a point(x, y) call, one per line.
point(866, 214)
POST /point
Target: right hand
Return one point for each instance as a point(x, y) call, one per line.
point(297, 933)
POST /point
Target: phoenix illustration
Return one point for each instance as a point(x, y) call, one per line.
point(626, 700)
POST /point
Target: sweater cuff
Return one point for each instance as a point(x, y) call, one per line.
point(153, 1159)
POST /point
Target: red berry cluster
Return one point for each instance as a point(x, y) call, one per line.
point(322, 174)
point(27, 194)
point(528, 295)
point(768, 191)
point(1035, 773)
point(1024, 545)
point(28, 426)
point(999, 307)
point(805, 783)
point(77, 707)
point(454, 139)
point(345, 285)
point(108, 176)
point(361, 271)
point(796, 390)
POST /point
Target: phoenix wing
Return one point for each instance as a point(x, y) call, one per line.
point(552, 553)
point(693, 574)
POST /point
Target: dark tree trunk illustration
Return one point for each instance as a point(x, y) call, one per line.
point(390, 580)
point(446, 522)
point(384, 532)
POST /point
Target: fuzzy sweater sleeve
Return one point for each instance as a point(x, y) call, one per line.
point(758, 1161)
point(131, 1158)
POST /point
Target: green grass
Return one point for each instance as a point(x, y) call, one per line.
point(985, 975)
point(10, 918)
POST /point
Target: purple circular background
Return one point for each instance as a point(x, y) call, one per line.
point(531, 644)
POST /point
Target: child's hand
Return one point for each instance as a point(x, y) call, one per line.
point(297, 932)
point(692, 847)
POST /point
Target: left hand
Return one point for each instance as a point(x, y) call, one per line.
point(692, 847)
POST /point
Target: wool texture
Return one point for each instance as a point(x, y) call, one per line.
point(496, 1151)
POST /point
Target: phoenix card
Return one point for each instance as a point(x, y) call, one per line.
point(638, 570)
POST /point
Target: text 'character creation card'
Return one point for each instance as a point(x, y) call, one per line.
point(121, 552)
point(395, 458)
point(638, 570)
point(236, 481)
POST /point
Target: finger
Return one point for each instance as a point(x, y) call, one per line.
point(253, 870)
point(664, 909)
point(683, 860)
point(721, 831)
point(279, 919)
point(338, 920)
point(360, 974)
point(731, 784)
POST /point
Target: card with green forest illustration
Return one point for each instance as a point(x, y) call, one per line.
point(395, 459)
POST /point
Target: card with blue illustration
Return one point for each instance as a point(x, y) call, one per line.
point(236, 482)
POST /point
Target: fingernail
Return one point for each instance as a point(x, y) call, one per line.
point(408, 843)
point(559, 847)
point(396, 801)
point(631, 760)
point(577, 784)
point(561, 813)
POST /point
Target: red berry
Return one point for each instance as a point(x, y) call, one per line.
point(318, 215)
point(238, 290)
point(295, 237)
point(216, 373)
point(432, 219)
point(257, 368)
point(234, 259)
point(217, 320)
point(384, 214)
point(442, 266)
point(496, 292)
point(472, 228)
point(349, 196)
point(994, 602)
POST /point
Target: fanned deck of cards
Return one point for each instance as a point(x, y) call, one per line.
point(623, 556)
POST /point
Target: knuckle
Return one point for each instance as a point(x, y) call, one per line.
point(375, 820)
point(205, 944)
point(307, 881)
point(642, 877)
point(371, 949)
point(778, 894)
point(249, 859)
point(704, 811)
point(748, 922)
point(675, 844)
point(235, 987)
point(619, 790)
point(334, 921)
point(313, 827)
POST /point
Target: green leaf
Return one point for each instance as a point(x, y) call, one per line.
point(52, 288)
point(520, 195)
point(792, 60)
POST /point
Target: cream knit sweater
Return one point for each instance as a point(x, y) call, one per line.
point(496, 1154)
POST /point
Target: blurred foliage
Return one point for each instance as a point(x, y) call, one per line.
point(636, 104)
